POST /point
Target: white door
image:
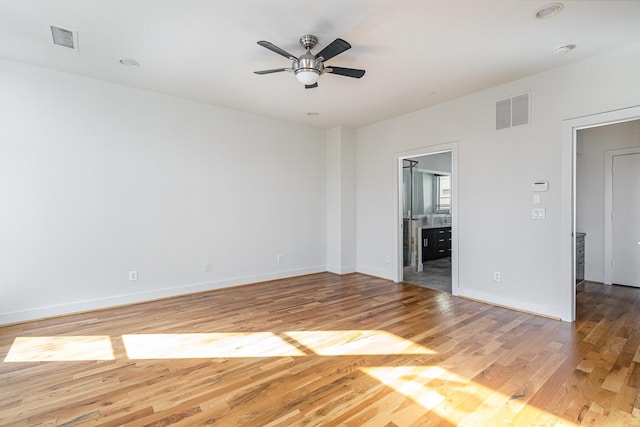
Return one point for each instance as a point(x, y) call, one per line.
point(626, 220)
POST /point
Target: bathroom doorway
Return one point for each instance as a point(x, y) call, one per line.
point(426, 199)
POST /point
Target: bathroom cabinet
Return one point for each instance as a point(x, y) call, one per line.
point(436, 243)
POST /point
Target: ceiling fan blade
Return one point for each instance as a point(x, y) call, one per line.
point(311, 86)
point(349, 72)
point(334, 48)
point(276, 49)
point(274, 70)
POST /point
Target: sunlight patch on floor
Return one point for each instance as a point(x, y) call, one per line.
point(356, 342)
point(215, 345)
point(207, 345)
point(459, 400)
point(60, 349)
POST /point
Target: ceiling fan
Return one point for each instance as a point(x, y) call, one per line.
point(309, 67)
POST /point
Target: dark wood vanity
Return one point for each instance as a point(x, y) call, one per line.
point(436, 243)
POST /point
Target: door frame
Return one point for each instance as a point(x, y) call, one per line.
point(570, 128)
point(398, 197)
point(608, 208)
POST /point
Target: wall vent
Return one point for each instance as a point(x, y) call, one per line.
point(63, 37)
point(512, 111)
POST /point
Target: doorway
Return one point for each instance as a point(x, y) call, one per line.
point(427, 183)
point(579, 196)
point(622, 210)
point(607, 181)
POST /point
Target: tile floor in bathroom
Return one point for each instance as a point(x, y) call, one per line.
point(436, 275)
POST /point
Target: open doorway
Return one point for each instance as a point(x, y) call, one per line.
point(571, 148)
point(608, 203)
point(426, 200)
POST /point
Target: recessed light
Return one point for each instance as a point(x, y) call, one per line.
point(549, 10)
point(312, 113)
point(128, 62)
point(564, 49)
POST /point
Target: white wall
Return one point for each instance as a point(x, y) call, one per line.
point(334, 199)
point(495, 170)
point(590, 172)
point(341, 202)
point(98, 179)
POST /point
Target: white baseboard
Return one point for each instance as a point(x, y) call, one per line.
point(375, 272)
point(132, 298)
point(538, 309)
point(341, 269)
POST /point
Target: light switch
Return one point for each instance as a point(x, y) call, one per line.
point(538, 213)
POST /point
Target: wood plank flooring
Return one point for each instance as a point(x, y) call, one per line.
point(326, 350)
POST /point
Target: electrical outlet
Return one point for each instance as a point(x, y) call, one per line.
point(496, 276)
point(279, 258)
point(207, 266)
point(133, 275)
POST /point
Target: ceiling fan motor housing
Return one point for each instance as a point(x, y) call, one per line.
point(308, 62)
point(308, 68)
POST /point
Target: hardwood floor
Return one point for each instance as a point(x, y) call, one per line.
point(326, 350)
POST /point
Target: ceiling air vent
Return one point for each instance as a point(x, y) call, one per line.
point(512, 111)
point(63, 37)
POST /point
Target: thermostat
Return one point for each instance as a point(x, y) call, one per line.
point(538, 186)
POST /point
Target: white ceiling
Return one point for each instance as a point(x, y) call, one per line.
point(416, 53)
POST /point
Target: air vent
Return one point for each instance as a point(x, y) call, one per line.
point(64, 37)
point(512, 111)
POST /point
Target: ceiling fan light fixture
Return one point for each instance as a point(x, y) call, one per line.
point(307, 77)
